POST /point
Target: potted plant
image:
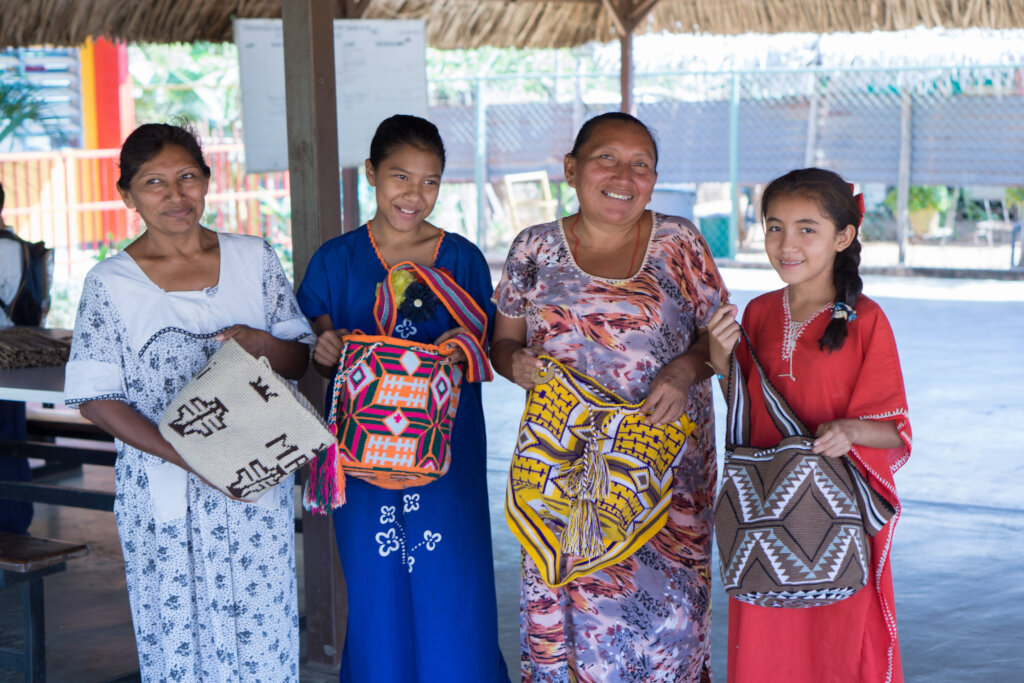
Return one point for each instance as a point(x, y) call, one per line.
point(926, 204)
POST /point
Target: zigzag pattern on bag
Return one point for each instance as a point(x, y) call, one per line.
point(791, 526)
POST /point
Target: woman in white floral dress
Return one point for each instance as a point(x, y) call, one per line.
point(211, 580)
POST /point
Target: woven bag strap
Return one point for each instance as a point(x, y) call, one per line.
point(737, 432)
point(457, 301)
point(589, 390)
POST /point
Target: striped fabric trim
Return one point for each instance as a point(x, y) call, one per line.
point(784, 417)
point(467, 313)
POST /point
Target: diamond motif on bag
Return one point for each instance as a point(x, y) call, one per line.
point(359, 378)
point(396, 422)
point(642, 478)
point(410, 361)
point(442, 388)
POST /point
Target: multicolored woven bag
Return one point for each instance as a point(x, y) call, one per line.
point(792, 526)
point(590, 482)
point(393, 400)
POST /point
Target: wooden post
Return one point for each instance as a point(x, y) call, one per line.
point(626, 15)
point(351, 9)
point(626, 73)
point(316, 217)
point(903, 175)
point(350, 198)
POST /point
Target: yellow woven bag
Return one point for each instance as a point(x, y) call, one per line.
point(590, 482)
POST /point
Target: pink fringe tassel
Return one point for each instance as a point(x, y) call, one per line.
point(325, 488)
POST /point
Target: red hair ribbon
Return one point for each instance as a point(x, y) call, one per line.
point(859, 201)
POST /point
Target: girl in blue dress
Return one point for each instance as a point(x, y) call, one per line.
point(417, 561)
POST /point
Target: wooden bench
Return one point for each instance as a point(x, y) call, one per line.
point(24, 562)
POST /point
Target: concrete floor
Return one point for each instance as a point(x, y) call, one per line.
point(956, 554)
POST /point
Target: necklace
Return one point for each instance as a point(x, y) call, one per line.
point(576, 245)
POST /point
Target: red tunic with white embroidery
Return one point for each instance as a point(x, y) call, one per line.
point(855, 639)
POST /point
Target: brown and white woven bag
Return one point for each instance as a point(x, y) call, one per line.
point(791, 525)
point(241, 426)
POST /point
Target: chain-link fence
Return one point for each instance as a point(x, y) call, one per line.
point(937, 151)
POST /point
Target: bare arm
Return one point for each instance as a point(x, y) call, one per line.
point(510, 356)
point(837, 437)
point(328, 346)
point(288, 358)
point(120, 420)
point(670, 389)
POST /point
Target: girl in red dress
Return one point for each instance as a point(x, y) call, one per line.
point(831, 353)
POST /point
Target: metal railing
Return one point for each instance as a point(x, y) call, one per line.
point(69, 200)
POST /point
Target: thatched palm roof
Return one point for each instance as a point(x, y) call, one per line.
point(502, 23)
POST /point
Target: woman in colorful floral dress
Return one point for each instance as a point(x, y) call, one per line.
point(621, 294)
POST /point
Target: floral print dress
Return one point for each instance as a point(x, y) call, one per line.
point(648, 617)
point(211, 580)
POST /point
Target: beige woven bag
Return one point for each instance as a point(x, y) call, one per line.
point(241, 426)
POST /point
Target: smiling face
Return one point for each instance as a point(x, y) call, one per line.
point(168, 191)
point(613, 173)
point(406, 181)
point(802, 242)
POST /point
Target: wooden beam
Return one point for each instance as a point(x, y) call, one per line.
point(615, 12)
point(316, 217)
point(351, 9)
point(354, 9)
point(640, 11)
point(626, 72)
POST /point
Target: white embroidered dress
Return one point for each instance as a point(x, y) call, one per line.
point(211, 580)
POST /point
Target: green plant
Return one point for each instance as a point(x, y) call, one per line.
point(1014, 196)
point(21, 107)
point(920, 198)
point(110, 247)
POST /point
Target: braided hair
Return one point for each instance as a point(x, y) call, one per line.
point(834, 197)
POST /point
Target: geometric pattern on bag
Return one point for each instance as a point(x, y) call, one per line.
point(792, 526)
point(241, 426)
point(393, 401)
point(589, 482)
point(393, 407)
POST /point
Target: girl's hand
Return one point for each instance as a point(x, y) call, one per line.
point(835, 438)
point(458, 356)
point(328, 350)
point(723, 334)
point(670, 391)
point(526, 365)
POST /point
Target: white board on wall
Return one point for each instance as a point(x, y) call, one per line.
point(380, 70)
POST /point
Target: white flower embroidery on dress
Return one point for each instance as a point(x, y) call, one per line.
point(430, 539)
point(393, 539)
point(405, 329)
point(388, 541)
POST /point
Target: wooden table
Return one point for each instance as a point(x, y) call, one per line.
point(46, 385)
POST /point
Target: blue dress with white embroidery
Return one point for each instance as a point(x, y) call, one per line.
point(417, 562)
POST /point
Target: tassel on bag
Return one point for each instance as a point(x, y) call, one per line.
point(325, 488)
point(587, 481)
